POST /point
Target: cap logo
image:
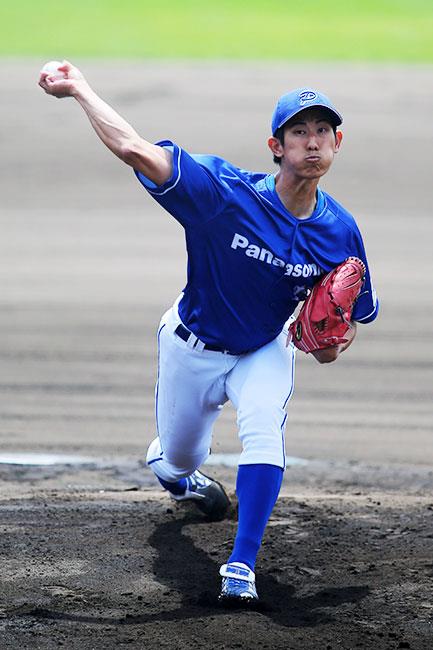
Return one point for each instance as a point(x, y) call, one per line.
point(307, 96)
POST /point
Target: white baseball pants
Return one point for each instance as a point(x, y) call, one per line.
point(194, 384)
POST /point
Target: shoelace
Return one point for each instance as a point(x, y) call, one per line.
point(242, 584)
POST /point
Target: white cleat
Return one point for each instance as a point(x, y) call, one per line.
point(238, 585)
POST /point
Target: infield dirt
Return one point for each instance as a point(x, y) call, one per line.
point(93, 555)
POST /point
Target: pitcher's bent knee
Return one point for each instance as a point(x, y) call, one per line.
point(174, 466)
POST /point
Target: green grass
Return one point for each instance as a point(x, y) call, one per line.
point(325, 30)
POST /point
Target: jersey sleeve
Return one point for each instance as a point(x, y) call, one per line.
point(367, 305)
point(197, 190)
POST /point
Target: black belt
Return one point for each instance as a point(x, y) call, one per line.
point(184, 333)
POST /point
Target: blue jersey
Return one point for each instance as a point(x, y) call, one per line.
point(249, 260)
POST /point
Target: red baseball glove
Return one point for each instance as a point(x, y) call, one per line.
point(325, 316)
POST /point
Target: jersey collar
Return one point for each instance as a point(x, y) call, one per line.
point(320, 201)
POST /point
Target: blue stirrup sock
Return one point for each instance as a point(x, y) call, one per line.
point(178, 487)
point(257, 487)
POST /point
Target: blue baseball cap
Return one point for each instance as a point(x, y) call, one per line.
point(298, 100)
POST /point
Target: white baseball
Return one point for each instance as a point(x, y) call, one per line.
point(52, 68)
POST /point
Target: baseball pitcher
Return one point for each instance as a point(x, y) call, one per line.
point(258, 245)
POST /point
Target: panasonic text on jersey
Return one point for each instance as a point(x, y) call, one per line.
point(261, 254)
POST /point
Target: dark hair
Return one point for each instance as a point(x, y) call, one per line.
point(279, 134)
